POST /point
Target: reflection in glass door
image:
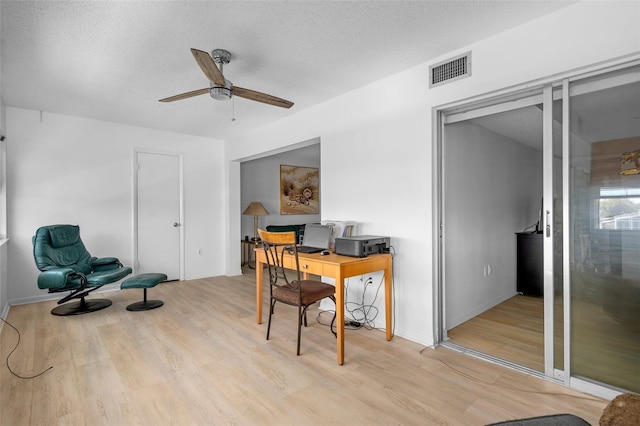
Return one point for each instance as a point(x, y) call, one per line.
point(605, 229)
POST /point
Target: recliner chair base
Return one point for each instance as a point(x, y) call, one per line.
point(81, 307)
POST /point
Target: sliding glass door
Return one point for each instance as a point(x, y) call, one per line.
point(604, 136)
point(539, 225)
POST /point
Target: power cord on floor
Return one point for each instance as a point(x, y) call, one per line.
point(369, 312)
point(348, 325)
point(362, 313)
point(13, 350)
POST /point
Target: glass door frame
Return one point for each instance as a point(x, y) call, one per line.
point(530, 96)
point(548, 227)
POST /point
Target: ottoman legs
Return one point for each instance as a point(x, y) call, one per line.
point(145, 305)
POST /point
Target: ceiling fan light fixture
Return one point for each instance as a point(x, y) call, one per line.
point(221, 93)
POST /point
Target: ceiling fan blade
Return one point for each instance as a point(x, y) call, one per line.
point(260, 97)
point(208, 66)
point(186, 95)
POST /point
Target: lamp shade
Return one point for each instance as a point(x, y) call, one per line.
point(255, 209)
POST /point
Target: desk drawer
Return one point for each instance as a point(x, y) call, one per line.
point(306, 266)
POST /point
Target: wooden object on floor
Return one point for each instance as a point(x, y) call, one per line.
point(202, 359)
point(289, 287)
point(339, 268)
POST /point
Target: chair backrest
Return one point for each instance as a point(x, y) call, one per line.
point(276, 245)
point(298, 229)
point(57, 246)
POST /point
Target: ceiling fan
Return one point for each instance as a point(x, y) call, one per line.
point(219, 87)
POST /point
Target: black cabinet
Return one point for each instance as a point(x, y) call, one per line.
point(530, 277)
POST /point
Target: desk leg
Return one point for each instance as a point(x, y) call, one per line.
point(258, 291)
point(388, 300)
point(340, 317)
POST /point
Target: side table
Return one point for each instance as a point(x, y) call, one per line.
point(247, 253)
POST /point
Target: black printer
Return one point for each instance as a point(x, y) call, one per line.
point(362, 245)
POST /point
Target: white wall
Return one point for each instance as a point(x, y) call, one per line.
point(377, 141)
point(261, 182)
point(493, 187)
point(65, 169)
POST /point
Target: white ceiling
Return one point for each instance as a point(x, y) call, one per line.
point(112, 61)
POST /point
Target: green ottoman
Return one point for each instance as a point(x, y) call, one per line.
point(144, 281)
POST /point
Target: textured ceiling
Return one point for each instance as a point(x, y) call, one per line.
point(112, 61)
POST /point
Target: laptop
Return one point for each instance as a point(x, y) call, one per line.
point(316, 238)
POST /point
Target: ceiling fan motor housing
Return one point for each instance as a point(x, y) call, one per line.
point(221, 56)
point(221, 93)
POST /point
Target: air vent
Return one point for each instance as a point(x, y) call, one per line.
point(450, 70)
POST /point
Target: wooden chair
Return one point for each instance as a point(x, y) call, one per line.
point(291, 290)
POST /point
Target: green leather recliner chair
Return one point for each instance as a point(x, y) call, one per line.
point(66, 265)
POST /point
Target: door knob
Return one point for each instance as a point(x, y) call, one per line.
point(176, 224)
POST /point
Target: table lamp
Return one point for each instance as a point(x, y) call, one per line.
point(255, 209)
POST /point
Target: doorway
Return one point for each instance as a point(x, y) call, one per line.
point(492, 191)
point(158, 214)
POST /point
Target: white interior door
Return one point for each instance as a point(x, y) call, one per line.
point(159, 214)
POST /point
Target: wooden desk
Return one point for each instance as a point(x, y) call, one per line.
point(339, 268)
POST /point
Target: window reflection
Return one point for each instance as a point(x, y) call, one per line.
point(605, 224)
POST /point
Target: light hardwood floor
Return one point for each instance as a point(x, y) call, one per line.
point(512, 330)
point(604, 350)
point(202, 359)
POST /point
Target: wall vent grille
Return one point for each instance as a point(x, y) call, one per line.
point(450, 70)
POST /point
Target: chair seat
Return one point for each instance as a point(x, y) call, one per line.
point(311, 292)
point(100, 278)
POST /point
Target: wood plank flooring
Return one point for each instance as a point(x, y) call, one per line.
point(603, 349)
point(202, 359)
point(512, 330)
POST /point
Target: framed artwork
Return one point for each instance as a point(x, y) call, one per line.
point(299, 190)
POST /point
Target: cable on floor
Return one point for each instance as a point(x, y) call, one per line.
point(362, 313)
point(13, 350)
